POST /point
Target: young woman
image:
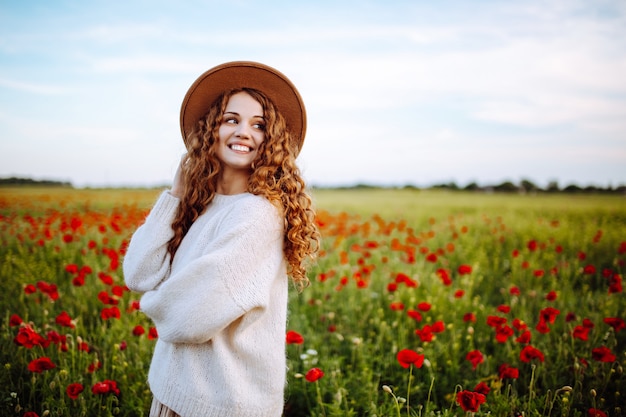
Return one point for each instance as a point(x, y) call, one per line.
point(213, 257)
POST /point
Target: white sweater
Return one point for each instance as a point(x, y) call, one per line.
point(220, 310)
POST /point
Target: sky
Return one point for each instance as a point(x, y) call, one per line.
point(398, 92)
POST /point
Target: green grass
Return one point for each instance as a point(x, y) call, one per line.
point(351, 318)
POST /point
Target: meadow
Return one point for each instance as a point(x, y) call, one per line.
point(421, 303)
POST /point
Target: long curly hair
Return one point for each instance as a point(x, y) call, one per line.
point(274, 175)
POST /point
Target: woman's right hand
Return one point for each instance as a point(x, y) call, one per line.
point(178, 184)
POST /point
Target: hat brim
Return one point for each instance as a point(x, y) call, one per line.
point(244, 74)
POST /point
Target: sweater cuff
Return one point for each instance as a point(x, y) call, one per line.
point(164, 209)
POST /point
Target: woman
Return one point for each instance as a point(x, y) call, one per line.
point(213, 256)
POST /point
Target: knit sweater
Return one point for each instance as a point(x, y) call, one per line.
point(219, 309)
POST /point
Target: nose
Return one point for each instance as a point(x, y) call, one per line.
point(243, 131)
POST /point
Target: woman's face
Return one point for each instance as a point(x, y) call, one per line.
point(241, 132)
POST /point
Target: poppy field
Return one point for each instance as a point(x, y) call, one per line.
point(421, 303)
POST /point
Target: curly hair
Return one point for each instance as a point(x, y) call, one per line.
point(274, 175)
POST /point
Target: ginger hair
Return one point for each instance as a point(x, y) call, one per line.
point(274, 175)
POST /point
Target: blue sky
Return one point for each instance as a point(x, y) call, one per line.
point(397, 92)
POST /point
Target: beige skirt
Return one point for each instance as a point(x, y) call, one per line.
point(159, 410)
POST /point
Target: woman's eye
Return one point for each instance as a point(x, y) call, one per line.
point(260, 126)
point(230, 120)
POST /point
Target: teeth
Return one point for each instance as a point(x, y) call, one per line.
point(240, 148)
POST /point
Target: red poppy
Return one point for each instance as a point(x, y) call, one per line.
point(616, 323)
point(105, 387)
point(482, 388)
point(467, 317)
point(496, 321)
point(15, 320)
point(464, 269)
point(551, 296)
point(475, 357)
point(594, 412)
point(603, 354)
point(30, 289)
point(529, 353)
point(314, 374)
point(424, 306)
point(444, 275)
point(109, 313)
point(414, 314)
point(294, 338)
point(74, 390)
point(524, 338)
point(65, 320)
point(504, 308)
point(459, 294)
point(431, 257)
point(152, 333)
point(532, 245)
point(30, 414)
point(581, 332)
point(503, 333)
point(425, 333)
point(408, 357)
point(138, 330)
point(589, 270)
point(505, 371)
point(41, 364)
point(470, 401)
point(28, 338)
point(396, 306)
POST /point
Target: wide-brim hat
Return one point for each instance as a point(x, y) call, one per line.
point(244, 74)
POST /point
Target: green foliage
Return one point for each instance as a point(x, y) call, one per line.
point(506, 256)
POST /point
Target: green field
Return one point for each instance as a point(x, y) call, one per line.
point(502, 303)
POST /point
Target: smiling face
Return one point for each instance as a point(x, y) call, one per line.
point(241, 133)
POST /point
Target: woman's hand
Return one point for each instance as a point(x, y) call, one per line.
point(178, 185)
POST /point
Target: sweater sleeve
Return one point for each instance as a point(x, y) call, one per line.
point(147, 262)
point(233, 276)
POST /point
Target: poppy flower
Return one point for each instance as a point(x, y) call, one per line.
point(65, 320)
point(408, 357)
point(74, 390)
point(28, 338)
point(581, 332)
point(424, 306)
point(482, 388)
point(475, 357)
point(470, 401)
point(105, 387)
point(524, 338)
point(314, 374)
point(594, 412)
point(616, 323)
point(464, 269)
point(294, 338)
point(15, 320)
point(41, 364)
point(469, 317)
point(138, 330)
point(603, 354)
point(505, 371)
point(503, 333)
point(425, 333)
point(529, 353)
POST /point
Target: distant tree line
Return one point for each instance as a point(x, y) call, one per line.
point(524, 187)
point(19, 182)
point(528, 187)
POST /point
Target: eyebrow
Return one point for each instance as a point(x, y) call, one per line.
point(237, 114)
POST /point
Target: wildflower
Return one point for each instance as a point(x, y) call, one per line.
point(469, 317)
point(581, 332)
point(30, 414)
point(459, 294)
point(444, 275)
point(529, 353)
point(64, 320)
point(470, 401)
point(594, 412)
point(15, 320)
point(294, 338)
point(152, 333)
point(425, 333)
point(482, 388)
point(28, 338)
point(475, 357)
point(74, 390)
point(464, 269)
point(105, 387)
point(532, 245)
point(408, 357)
point(616, 323)
point(40, 365)
point(551, 296)
point(414, 314)
point(314, 374)
point(603, 354)
point(505, 371)
point(503, 333)
point(397, 306)
point(524, 338)
point(424, 306)
point(138, 330)
point(108, 313)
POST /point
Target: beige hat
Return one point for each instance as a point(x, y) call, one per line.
point(243, 74)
